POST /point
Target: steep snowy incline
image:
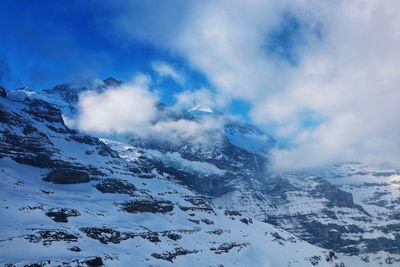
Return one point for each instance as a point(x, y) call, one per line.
point(351, 212)
point(69, 199)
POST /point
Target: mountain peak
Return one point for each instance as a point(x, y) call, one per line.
point(200, 108)
point(111, 81)
point(3, 92)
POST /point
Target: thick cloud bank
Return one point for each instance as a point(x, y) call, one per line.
point(133, 109)
point(324, 76)
point(129, 108)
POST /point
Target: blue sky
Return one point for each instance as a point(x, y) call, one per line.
point(45, 42)
point(48, 42)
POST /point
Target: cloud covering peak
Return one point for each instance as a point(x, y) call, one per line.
point(322, 75)
point(128, 108)
point(133, 108)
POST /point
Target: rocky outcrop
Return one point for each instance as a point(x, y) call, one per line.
point(213, 185)
point(42, 110)
point(106, 234)
point(94, 262)
point(3, 92)
point(226, 247)
point(64, 175)
point(112, 82)
point(148, 205)
point(334, 195)
point(172, 255)
point(102, 149)
point(47, 237)
point(116, 186)
point(198, 203)
point(61, 214)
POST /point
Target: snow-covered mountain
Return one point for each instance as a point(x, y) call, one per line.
point(74, 199)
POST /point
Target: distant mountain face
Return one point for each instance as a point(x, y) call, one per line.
point(75, 199)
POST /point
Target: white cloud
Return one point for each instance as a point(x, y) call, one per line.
point(202, 98)
point(129, 108)
point(132, 109)
point(164, 69)
point(352, 81)
point(206, 131)
point(347, 75)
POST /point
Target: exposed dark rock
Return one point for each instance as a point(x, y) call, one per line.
point(194, 221)
point(148, 205)
point(392, 260)
point(3, 92)
point(75, 249)
point(276, 189)
point(112, 82)
point(314, 260)
point(29, 208)
point(41, 160)
point(174, 236)
point(245, 220)
point(67, 176)
point(224, 155)
point(102, 149)
point(29, 129)
point(207, 221)
point(62, 214)
point(47, 192)
point(106, 235)
point(213, 185)
point(42, 110)
point(149, 235)
point(10, 118)
point(38, 264)
point(330, 214)
point(331, 256)
point(278, 238)
point(33, 148)
point(232, 213)
point(171, 255)
point(216, 232)
point(117, 186)
point(199, 204)
point(46, 237)
point(198, 201)
point(330, 236)
point(62, 129)
point(94, 262)
point(185, 208)
point(226, 247)
point(64, 90)
point(335, 196)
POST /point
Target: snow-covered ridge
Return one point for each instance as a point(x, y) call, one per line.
point(119, 195)
point(70, 200)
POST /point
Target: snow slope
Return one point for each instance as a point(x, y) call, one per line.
point(69, 199)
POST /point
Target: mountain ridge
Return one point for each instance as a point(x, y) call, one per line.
point(225, 186)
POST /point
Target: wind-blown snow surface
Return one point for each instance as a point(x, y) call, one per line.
point(68, 199)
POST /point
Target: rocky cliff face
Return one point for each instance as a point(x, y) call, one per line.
point(74, 199)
